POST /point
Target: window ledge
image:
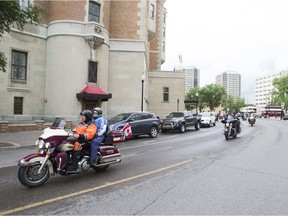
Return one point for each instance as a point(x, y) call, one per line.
point(15, 89)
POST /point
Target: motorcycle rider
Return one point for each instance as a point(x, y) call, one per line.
point(232, 117)
point(101, 124)
point(84, 132)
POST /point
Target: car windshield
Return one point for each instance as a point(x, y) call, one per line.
point(176, 115)
point(120, 117)
point(205, 114)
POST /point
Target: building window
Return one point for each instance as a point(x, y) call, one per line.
point(24, 4)
point(92, 76)
point(18, 105)
point(19, 65)
point(94, 12)
point(163, 46)
point(164, 32)
point(152, 11)
point(164, 17)
point(165, 94)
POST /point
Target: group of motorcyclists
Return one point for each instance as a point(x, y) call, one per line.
point(92, 128)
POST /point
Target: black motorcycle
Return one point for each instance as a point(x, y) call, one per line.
point(231, 128)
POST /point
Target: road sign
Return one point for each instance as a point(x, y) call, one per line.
point(282, 105)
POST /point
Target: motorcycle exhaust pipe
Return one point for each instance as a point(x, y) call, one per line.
point(107, 163)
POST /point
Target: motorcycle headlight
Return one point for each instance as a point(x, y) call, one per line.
point(40, 144)
point(47, 145)
point(227, 124)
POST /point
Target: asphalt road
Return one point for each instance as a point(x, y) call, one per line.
point(197, 172)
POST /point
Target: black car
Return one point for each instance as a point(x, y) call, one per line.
point(141, 123)
point(180, 121)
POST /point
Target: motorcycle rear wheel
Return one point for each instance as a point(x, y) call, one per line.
point(28, 175)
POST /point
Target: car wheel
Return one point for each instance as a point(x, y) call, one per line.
point(153, 132)
point(197, 126)
point(182, 128)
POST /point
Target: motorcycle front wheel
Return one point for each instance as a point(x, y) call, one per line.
point(29, 177)
point(226, 135)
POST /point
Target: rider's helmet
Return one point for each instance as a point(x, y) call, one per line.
point(97, 110)
point(88, 114)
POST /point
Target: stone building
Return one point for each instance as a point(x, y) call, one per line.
point(89, 53)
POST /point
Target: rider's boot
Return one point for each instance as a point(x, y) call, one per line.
point(75, 160)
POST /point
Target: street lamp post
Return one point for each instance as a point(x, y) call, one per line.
point(197, 103)
point(142, 90)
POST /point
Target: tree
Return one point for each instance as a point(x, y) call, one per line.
point(193, 95)
point(233, 104)
point(212, 95)
point(12, 16)
point(280, 91)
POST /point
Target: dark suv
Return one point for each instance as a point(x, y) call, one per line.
point(141, 123)
point(180, 121)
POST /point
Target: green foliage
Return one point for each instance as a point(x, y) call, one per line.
point(280, 91)
point(11, 16)
point(213, 96)
point(210, 96)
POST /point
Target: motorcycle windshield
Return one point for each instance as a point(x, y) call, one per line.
point(59, 123)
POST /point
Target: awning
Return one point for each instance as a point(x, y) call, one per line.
point(91, 92)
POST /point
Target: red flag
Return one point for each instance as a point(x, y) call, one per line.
point(127, 131)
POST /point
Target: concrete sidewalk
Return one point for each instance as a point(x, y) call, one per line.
point(16, 145)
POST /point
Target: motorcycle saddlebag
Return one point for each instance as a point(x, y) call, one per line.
point(114, 137)
point(109, 153)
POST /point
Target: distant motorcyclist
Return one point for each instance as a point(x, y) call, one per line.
point(251, 119)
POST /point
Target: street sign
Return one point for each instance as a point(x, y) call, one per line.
point(282, 105)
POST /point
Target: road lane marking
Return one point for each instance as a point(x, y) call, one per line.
point(256, 133)
point(37, 204)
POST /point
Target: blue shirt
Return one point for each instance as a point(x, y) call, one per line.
point(101, 124)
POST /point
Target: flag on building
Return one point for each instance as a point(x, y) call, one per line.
point(127, 131)
point(180, 58)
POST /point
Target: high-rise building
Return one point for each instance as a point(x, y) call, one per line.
point(192, 77)
point(231, 81)
point(264, 87)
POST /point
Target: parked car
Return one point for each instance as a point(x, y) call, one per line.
point(141, 123)
point(180, 121)
point(207, 119)
point(285, 117)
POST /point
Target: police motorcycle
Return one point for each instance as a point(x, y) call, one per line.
point(54, 155)
point(230, 128)
point(252, 120)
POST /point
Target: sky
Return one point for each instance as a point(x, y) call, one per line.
point(247, 36)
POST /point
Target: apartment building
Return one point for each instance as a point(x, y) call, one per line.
point(231, 81)
point(84, 54)
point(264, 88)
point(192, 77)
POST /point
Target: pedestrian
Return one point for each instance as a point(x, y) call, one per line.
point(102, 127)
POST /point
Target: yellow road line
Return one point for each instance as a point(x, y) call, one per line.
point(33, 205)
